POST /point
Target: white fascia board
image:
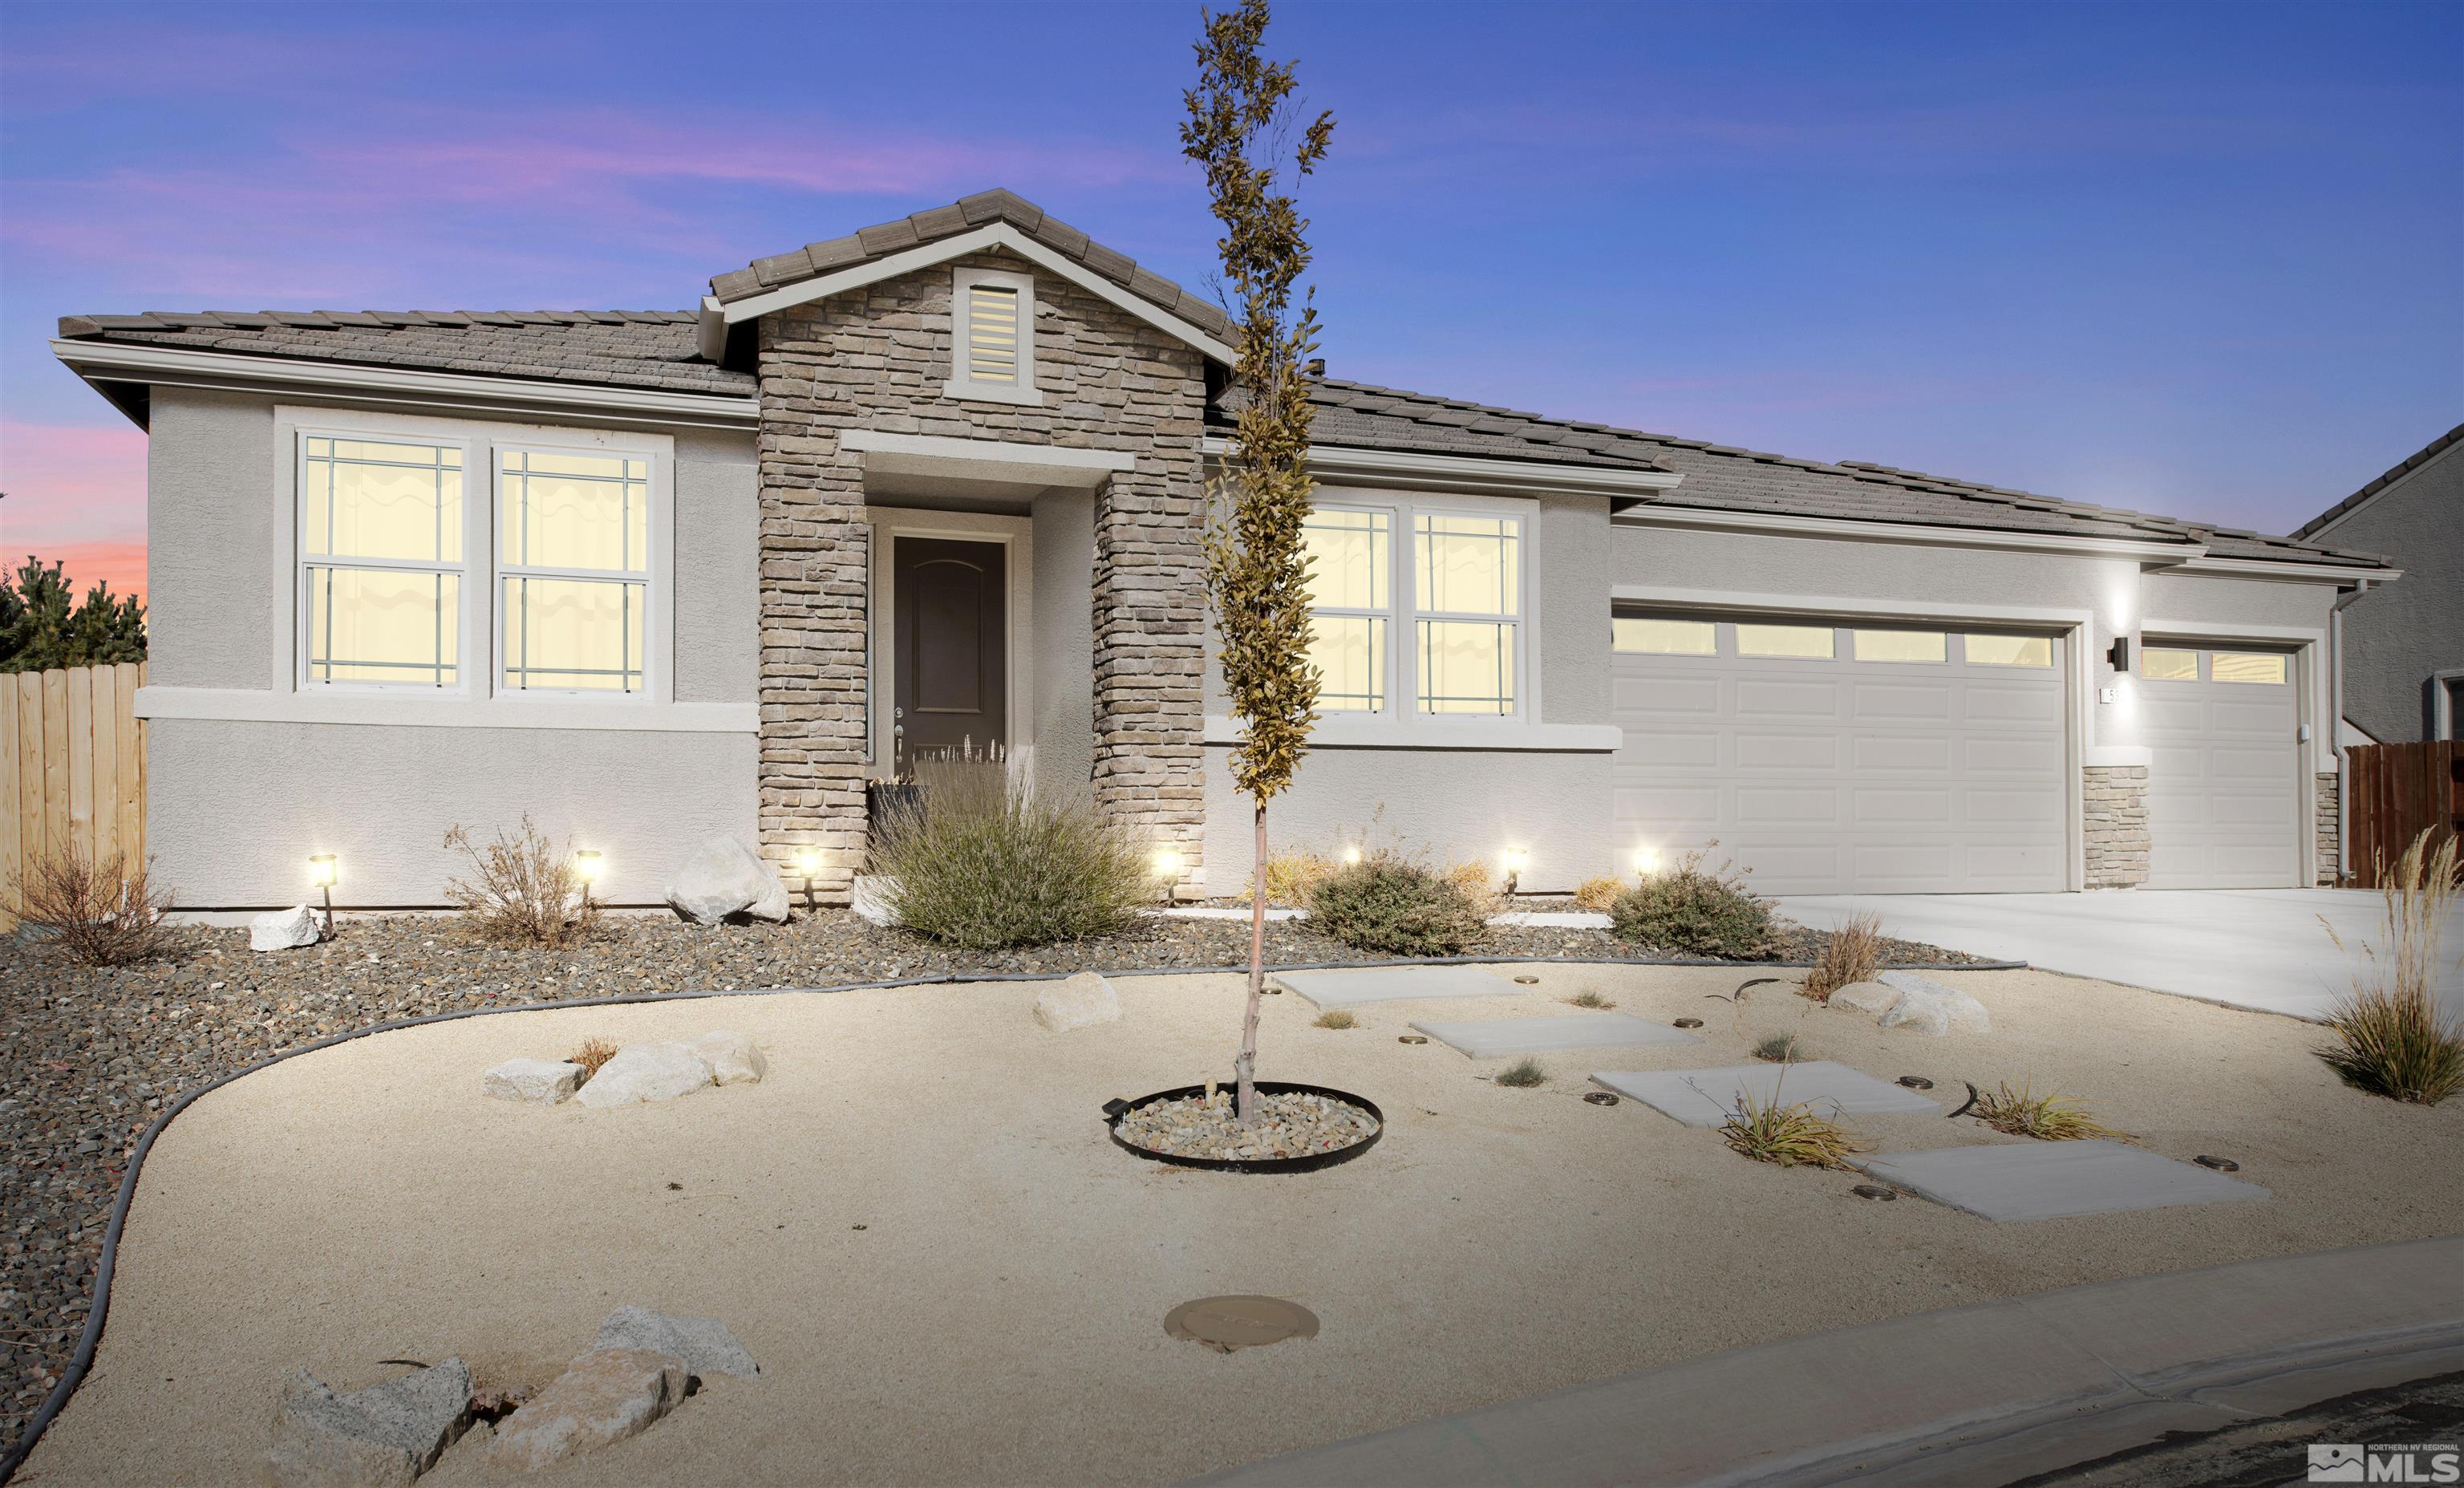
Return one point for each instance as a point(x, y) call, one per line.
point(710, 332)
point(1787, 524)
point(997, 235)
point(1864, 607)
point(1504, 736)
point(985, 459)
point(1467, 472)
point(246, 372)
point(2231, 631)
point(2281, 569)
point(366, 708)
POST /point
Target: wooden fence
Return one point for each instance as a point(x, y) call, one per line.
point(72, 767)
point(2393, 793)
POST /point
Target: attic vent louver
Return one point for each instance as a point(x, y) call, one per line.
point(992, 334)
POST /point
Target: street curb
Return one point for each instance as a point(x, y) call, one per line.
point(1985, 1393)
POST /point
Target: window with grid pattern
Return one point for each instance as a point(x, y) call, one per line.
point(1351, 567)
point(1467, 601)
point(573, 564)
point(381, 561)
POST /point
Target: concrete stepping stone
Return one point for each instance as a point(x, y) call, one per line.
point(1706, 1098)
point(1492, 1036)
point(1329, 989)
point(2009, 1183)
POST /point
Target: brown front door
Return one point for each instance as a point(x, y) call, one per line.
point(952, 685)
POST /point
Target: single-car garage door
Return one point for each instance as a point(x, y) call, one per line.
point(1840, 759)
point(2224, 778)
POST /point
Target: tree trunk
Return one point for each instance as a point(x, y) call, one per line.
point(1245, 1070)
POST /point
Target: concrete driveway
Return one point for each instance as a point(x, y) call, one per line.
point(2260, 948)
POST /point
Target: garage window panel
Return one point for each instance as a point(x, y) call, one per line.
point(1901, 645)
point(2008, 650)
point(2265, 668)
point(2162, 664)
point(1798, 642)
point(1664, 637)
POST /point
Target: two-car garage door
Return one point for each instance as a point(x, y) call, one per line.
point(1830, 758)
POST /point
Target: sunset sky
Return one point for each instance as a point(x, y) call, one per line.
point(2205, 259)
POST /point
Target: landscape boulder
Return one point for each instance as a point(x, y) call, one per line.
point(380, 1437)
point(704, 1344)
point(1083, 1001)
point(538, 1082)
point(605, 1395)
point(1871, 998)
point(647, 1072)
point(870, 899)
point(1931, 1008)
point(726, 878)
point(733, 1060)
point(284, 929)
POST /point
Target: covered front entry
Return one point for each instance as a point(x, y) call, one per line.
point(1835, 757)
point(2223, 729)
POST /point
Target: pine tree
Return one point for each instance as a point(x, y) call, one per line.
point(40, 629)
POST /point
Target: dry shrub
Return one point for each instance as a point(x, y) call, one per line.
point(1695, 911)
point(1522, 1073)
point(990, 863)
point(2048, 1118)
point(2392, 1038)
point(1592, 1000)
point(593, 1053)
point(1291, 878)
point(1850, 954)
point(1780, 1049)
point(1390, 905)
point(1790, 1136)
point(1478, 885)
point(523, 889)
point(1597, 894)
point(100, 913)
point(1336, 1018)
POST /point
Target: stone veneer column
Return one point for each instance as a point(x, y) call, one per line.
point(2117, 838)
point(2324, 828)
point(815, 573)
point(1151, 657)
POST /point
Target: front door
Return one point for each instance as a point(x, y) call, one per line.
point(951, 682)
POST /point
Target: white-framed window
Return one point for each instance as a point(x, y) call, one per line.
point(1351, 605)
point(573, 568)
point(1468, 607)
point(2008, 650)
point(991, 340)
point(1918, 646)
point(1653, 637)
point(381, 561)
point(1797, 642)
point(2266, 668)
point(2166, 664)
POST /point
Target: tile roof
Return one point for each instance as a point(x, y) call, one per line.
point(967, 214)
point(2420, 457)
point(616, 348)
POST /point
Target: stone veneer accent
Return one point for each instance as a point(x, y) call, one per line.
point(876, 358)
point(2116, 834)
point(2324, 828)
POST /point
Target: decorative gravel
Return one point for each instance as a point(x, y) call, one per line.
point(1289, 1125)
point(90, 1056)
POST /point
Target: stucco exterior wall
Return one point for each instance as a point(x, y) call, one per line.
point(1064, 642)
point(234, 807)
point(2397, 636)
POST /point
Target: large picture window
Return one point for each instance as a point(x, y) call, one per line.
point(1351, 597)
point(1468, 579)
point(381, 563)
point(573, 564)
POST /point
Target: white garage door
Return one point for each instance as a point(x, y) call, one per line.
point(2224, 779)
point(1833, 758)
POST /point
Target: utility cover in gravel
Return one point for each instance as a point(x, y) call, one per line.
point(1288, 1124)
point(2050, 1180)
point(1394, 984)
point(1706, 1098)
point(1492, 1036)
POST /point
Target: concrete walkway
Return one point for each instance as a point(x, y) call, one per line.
point(1982, 1395)
point(2262, 949)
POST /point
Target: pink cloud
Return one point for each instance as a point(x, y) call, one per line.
point(120, 565)
point(70, 483)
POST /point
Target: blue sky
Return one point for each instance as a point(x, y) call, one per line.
point(2205, 259)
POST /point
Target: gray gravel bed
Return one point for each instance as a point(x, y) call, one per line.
point(90, 1056)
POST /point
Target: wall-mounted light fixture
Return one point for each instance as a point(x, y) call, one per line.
point(324, 871)
point(1516, 860)
point(587, 866)
point(2119, 654)
point(808, 867)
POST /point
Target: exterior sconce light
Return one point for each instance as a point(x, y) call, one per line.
point(808, 867)
point(2119, 654)
point(1516, 860)
point(1167, 868)
point(324, 871)
point(587, 866)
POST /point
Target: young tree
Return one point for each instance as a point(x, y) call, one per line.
point(1240, 127)
point(40, 629)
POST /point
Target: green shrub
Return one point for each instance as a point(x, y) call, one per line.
point(1392, 906)
point(989, 864)
point(1694, 911)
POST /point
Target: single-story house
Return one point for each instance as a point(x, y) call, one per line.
point(650, 576)
point(2403, 648)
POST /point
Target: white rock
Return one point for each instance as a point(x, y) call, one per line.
point(284, 929)
point(1083, 1001)
point(726, 878)
point(539, 1081)
point(870, 899)
point(1872, 998)
point(380, 1437)
point(647, 1072)
point(733, 1059)
point(1959, 1009)
point(704, 1344)
point(605, 1395)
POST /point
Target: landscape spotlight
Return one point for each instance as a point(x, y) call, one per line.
point(324, 871)
point(1167, 867)
point(1516, 860)
point(1352, 855)
point(808, 867)
point(1646, 862)
point(587, 866)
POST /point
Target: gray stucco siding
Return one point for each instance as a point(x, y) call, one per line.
point(212, 475)
point(1063, 642)
point(233, 809)
point(2397, 637)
